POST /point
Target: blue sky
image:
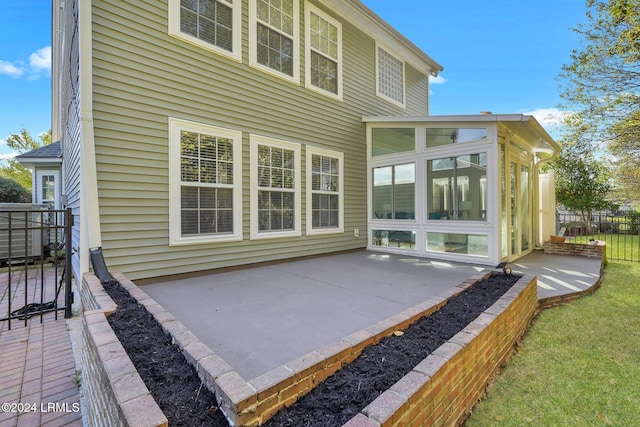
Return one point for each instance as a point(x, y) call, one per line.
point(498, 55)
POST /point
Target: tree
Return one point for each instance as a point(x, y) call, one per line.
point(22, 142)
point(601, 84)
point(12, 192)
point(583, 182)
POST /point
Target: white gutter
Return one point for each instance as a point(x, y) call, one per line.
point(90, 236)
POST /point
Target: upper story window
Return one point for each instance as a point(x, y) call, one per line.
point(323, 52)
point(275, 188)
point(389, 77)
point(205, 183)
point(274, 37)
point(211, 24)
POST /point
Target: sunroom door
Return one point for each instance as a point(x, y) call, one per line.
point(520, 214)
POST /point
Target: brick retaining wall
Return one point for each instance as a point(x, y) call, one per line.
point(441, 389)
point(114, 393)
point(444, 387)
point(597, 250)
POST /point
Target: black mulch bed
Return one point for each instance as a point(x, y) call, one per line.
point(172, 381)
point(178, 391)
point(347, 392)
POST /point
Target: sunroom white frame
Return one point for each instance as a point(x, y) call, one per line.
point(501, 129)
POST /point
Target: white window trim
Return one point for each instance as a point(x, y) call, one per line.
point(308, 9)
point(175, 215)
point(235, 54)
point(329, 153)
point(404, 72)
point(253, 43)
point(254, 141)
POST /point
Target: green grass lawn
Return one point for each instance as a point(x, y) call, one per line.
point(578, 366)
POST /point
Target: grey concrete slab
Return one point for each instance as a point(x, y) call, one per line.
point(559, 274)
point(260, 318)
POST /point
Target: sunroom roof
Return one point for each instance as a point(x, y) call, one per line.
point(525, 126)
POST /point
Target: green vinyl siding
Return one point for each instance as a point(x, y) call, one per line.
point(69, 122)
point(142, 76)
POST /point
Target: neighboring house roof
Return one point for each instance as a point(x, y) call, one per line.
point(50, 153)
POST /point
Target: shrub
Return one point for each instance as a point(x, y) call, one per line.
point(12, 192)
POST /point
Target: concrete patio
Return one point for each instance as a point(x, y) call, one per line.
point(260, 318)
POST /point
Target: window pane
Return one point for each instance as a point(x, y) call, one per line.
point(208, 20)
point(443, 136)
point(324, 73)
point(390, 76)
point(382, 192)
point(468, 244)
point(225, 198)
point(325, 178)
point(394, 192)
point(457, 188)
point(403, 192)
point(276, 178)
point(207, 198)
point(402, 239)
point(189, 22)
point(208, 171)
point(276, 157)
point(189, 170)
point(275, 50)
point(189, 225)
point(393, 140)
point(208, 147)
point(225, 221)
point(48, 187)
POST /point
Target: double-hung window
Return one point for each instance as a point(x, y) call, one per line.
point(323, 53)
point(274, 37)
point(205, 183)
point(275, 188)
point(211, 24)
point(324, 191)
point(389, 77)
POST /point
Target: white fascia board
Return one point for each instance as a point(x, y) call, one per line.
point(365, 19)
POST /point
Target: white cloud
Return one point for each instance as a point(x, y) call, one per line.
point(9, 69)
point(548, 117)
point(437, 80)
point(7, 156)
point(39, 64)
point(40, 60)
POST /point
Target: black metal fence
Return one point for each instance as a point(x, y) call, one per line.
point(35, 263)
point(620, 231)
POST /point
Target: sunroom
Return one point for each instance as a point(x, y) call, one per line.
point(460, 188)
